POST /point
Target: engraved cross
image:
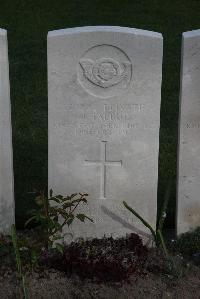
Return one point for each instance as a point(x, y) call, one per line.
point(103, 163)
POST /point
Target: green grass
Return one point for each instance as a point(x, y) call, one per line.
point(28, 22)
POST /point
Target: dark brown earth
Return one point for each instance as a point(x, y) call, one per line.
point(54, 284)
point(104, 268)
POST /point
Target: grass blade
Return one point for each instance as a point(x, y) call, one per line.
point(142, 220)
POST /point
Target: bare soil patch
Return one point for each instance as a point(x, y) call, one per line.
point(104, 268)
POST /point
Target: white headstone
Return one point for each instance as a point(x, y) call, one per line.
point(188, 205)
point(104, 115)
point(6, 167)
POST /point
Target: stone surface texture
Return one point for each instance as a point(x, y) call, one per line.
point(104, 89)
point(188, 203)
point(6, 167)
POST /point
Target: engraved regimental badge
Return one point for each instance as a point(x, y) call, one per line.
point(104, 71)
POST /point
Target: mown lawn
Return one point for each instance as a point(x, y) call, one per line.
point(28, 22)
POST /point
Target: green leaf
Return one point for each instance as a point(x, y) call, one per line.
point(66, 198)
point(16, 249)
point(142, 220)
point(30, 220)
point(53, 211)
point(89, 218)
point(70, 219)
point(39, 201)
point(55, 218)
point(84, 200)
point(83, 194)
point(82, 217)
point(56, 199)
point(79, 200)
point(59, 247)
point(59, 196)
point(67, 205)
point(73, 195)
point(62, 212)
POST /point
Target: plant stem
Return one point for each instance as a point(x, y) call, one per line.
point(24, 287)
point(142, 220)
point(162, 242)
point(164, 207)
point(18, 261)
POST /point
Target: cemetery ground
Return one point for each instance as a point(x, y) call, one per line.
point(36, 263)
point(101, 268)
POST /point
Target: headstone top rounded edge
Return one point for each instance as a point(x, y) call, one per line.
point(3, 32)
point(117, 29)
point(190, 34)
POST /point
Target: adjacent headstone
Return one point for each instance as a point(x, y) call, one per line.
point(6, 168)
point(188, 204)
point(104, 115)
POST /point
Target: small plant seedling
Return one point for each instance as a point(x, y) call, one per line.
point(22, 276)
point(54, 213)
